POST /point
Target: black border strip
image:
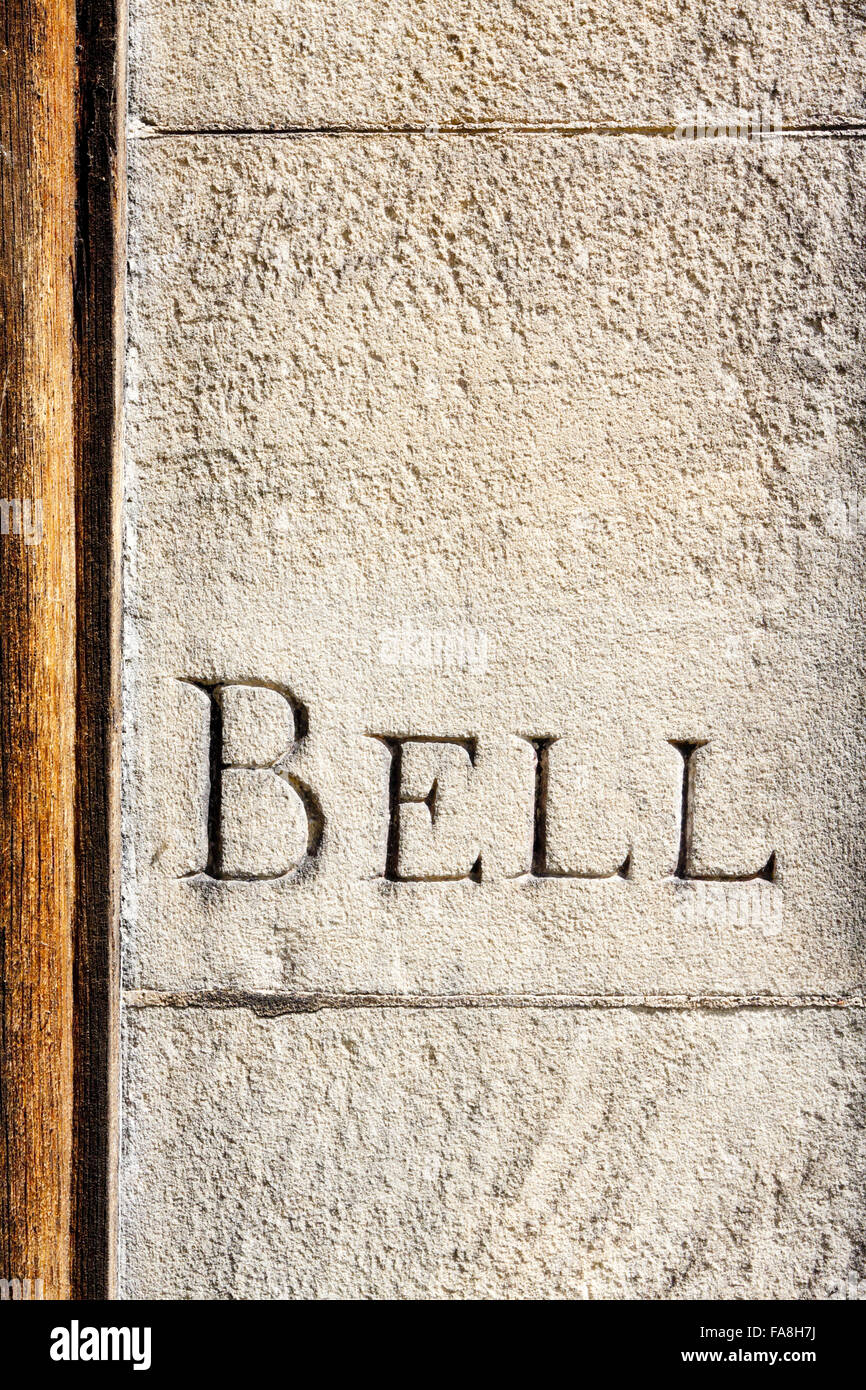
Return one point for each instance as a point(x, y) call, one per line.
point(99, 283)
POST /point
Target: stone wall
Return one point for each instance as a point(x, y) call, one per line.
point(494, 651)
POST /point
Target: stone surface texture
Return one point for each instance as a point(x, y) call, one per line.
point(593, 400)
point(493, 1154)
point(494, 442)
point(278, 63)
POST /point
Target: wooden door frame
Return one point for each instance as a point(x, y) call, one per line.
point(62, 259)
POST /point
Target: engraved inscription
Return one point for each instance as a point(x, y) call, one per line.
point(539, 866)
point(263, 822)
point(684, 868)
point(398, 797)
point(266, 823)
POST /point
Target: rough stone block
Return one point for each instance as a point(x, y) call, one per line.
point(312, 63)
point(501, 1153)
point(542, 447)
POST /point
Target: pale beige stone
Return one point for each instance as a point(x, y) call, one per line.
point(590, 814)
point(493, 1154)
point(254, 63)
point(264, 829)
point(439, 829)
point(258, 725)
point(495, 438)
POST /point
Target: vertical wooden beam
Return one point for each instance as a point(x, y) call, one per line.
point(37, 638)
point(99, 279)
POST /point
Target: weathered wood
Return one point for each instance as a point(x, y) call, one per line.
point(37, 640)
point(98, 383)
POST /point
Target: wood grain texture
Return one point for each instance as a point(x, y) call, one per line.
point(37, 640)
point(98, 386)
